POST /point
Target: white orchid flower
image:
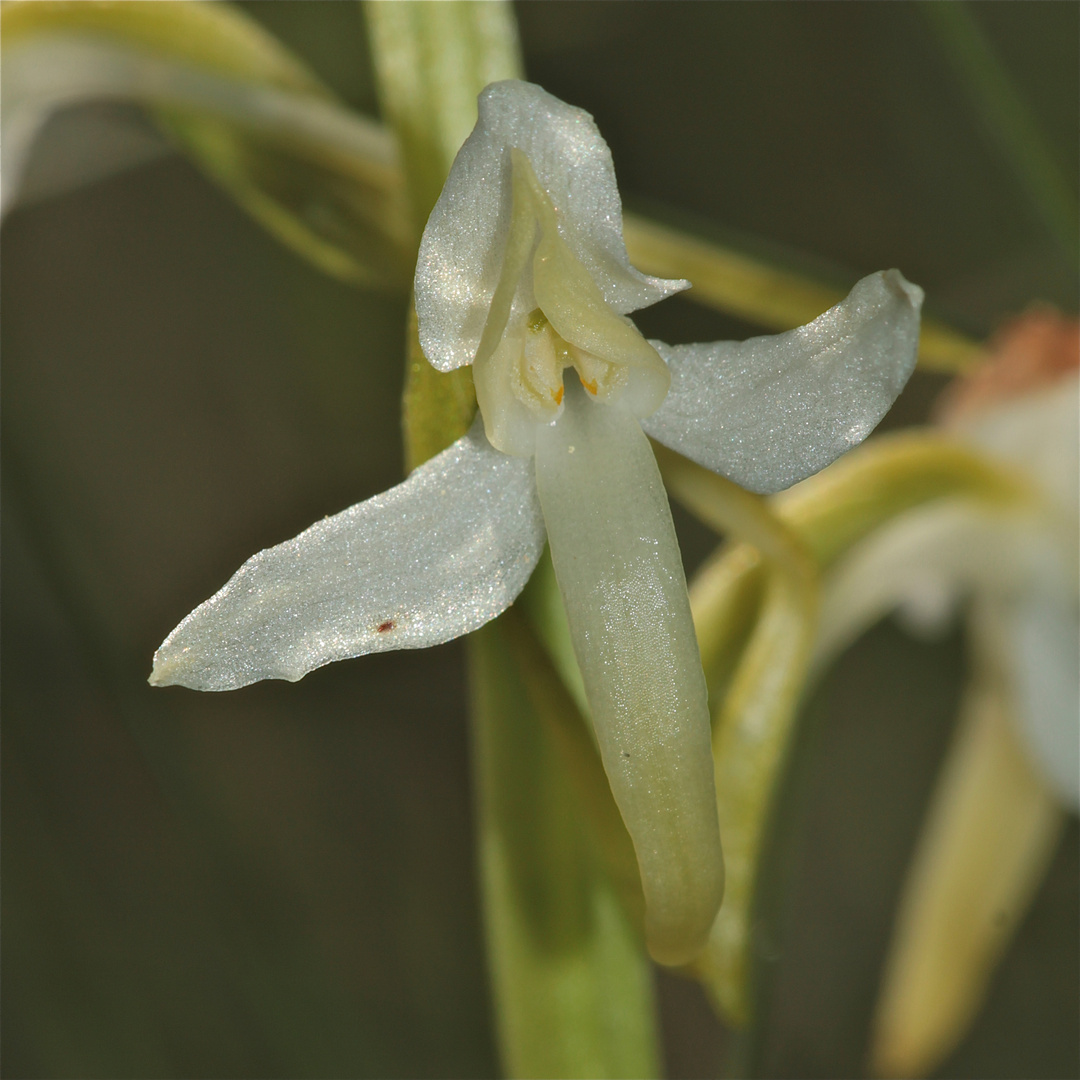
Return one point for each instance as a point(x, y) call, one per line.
point(1018, 565)
point(523, 273)
point(1036, 600)
point(1012, 769)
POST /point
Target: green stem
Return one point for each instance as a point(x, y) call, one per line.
point(572, 987)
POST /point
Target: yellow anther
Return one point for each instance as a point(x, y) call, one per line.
point(557, 395)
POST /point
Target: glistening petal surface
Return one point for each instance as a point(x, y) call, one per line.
point(620, 574)
point(461, 251)
point(771, 411)
point(429, 560)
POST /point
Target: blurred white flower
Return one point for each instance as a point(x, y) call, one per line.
point(1014, 763)
point(1017, 566)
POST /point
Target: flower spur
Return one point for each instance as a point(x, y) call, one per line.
point(522, 273)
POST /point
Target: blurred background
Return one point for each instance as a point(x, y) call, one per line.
point(280, 881)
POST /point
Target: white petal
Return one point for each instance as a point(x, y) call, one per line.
point(461, 251)
point(953, 547)
point(771, 411)
point(1014, 567)
point(427, 561)
point(621, 578)
point(1040, 432)
point(1045, 656)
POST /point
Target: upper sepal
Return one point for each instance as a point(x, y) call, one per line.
point(461, 253)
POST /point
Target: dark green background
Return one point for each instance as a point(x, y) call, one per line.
point(280, 881)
